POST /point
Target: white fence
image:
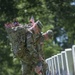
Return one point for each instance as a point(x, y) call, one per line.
point(62, 63)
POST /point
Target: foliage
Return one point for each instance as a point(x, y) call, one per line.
point(45, 11)
point(65, 13)
point(50, 49)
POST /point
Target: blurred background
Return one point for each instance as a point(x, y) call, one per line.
point(54, 14)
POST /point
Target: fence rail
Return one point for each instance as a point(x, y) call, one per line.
point(62, 63)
